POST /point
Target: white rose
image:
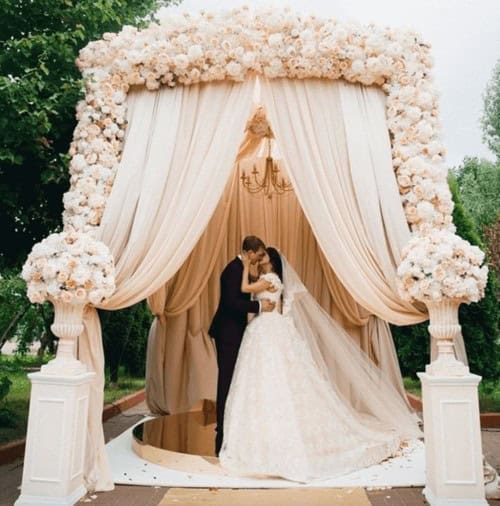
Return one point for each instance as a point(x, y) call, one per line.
point(181, 61)
point(406, 93)
point(413, 113)
point(275, 39)
point(48, 272)
point(152, 84)
point(425, 100)
point(249, 59)
point(308, 35)
point(425, 210)
point(195, 52)
point(234, 69)
point(376, 43)
point(309, 50)
point(357, 66)
point(80, 294)
point(424, 131)
point(404, 181)
point(78, 163)
point(96, 296)
point(394, 49)
point(66, 297)
point(36, 297)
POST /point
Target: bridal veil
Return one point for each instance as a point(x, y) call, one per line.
point(356, 379)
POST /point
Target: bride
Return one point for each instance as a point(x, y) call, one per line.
point(305, 403)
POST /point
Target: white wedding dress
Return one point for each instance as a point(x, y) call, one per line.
point(284, 416)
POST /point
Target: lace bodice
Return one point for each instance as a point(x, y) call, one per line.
point(273, 296)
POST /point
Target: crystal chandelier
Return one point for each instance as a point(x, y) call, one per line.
point(271, 183)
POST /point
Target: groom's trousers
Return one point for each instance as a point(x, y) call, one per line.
point(227, 353)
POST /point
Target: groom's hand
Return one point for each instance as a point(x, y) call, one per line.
point(266, 305)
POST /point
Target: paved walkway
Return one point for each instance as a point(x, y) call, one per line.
point(126, 495)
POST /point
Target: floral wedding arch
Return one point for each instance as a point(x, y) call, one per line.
point(188, 49)
point(74, 268)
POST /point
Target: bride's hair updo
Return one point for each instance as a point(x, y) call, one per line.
point(275, 260)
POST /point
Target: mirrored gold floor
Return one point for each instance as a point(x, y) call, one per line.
point(192, 433)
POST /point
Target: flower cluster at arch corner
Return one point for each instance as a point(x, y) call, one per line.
point(186, 49)
point(71, 267)
point(440, 265)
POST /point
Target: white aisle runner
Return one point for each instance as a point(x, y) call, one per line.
point(406, 470)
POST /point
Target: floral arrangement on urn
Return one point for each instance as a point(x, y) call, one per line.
point(441, 265)
point(69, 267)
point(442, 270)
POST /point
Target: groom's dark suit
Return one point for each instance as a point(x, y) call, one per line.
point(227, 329)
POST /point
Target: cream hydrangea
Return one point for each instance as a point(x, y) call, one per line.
point(69, 267)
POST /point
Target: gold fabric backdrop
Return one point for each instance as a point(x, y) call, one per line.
point(181, 362)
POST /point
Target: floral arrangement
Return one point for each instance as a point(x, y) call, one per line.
point(441, 265)
point(258, 126)
point(191, 48)
point(69, 267)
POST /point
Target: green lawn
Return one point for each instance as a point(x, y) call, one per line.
point(126, 386)
point(17, 400)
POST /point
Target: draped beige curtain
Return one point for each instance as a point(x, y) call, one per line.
point(348, 192)
point(178, 340)
point(170, 180)
point(171, 234)
point(185, 365)
point(181, 363)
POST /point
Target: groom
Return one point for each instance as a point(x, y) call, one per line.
point(230, 320)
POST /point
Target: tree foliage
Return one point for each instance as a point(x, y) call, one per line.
point(479, 186)
point(491, 112)
point(478, 183)
point(7, 416)
point(479, 320)
point(22, 321)
point(39, 88)
point(124, 334)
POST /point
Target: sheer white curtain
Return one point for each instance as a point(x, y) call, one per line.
point(177, 159)
point(335, 144)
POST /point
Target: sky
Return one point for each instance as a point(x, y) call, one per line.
point(465, 39)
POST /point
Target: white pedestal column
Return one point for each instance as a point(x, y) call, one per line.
point(55, 442)
point(57, 423)
point(453, 453)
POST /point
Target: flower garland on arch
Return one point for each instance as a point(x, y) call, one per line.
point(191, 48)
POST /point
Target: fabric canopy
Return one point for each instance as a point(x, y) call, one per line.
point(177, 214)
point(348, 192)
point(178, 342)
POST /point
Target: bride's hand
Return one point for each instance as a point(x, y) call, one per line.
point(271, 288)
